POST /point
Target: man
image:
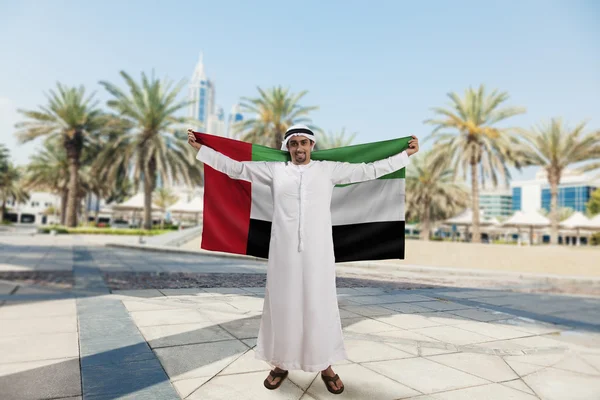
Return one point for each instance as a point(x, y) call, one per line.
point(300, 327)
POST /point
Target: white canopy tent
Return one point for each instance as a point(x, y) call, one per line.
point(135, 203)
point(595, 222)
point(194, 207)
point(579, 222)
point(531, 220)
point(465, 219)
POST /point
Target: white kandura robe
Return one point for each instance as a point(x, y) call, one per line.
point(300, 326)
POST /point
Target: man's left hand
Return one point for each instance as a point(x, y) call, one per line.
point(413, 146)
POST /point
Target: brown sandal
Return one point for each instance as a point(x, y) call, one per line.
point(328, 379)
point(281, 375)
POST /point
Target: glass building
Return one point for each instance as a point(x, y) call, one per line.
point(574, 197)
point(574, 191)
point(496, 203)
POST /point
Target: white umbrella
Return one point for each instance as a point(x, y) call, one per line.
point(531, 220)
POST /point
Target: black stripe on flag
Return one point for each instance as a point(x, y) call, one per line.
point(356, 242)
point(259, 236)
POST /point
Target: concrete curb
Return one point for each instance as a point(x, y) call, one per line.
point(377, 265)
point(168, 249)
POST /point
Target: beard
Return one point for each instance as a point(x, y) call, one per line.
point(300, 157)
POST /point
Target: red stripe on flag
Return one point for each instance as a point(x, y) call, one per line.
point(227, 201)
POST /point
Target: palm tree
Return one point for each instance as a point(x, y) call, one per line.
point(593, 205)
point(473, 141)
point(150, 148)
point(554, 146)
point(164, 199)
point(334, 140)
point(432, 193)
point(4, 158)
point(74, 118)
point(273, 113)
point(11, 188)
point(48, 169)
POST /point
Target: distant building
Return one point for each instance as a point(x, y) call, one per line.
point(496, 203)
point(201, 96)
point(216, 123)
point(235, 116)
point(574, 191)
point(34, 211)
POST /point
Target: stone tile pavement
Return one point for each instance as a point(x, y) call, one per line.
point(197, 343)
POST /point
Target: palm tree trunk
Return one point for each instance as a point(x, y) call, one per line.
point(3, 211)
point(426, 223)
point(97, 208)
point(149, 180)
point(86, 211)
point(72, 197)
point(277, 138)
point(63, 205)
point(475, 196)
point(73, 148)
point(554, 179)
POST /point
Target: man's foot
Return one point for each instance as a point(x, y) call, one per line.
point(333, 382)
point(275, 378)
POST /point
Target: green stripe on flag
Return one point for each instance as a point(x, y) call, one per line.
point(359, 153)
point(262, 153)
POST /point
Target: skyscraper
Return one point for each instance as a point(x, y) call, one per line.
point(201, 95)
point(234, 116)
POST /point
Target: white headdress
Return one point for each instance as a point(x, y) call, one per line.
point(298, 130)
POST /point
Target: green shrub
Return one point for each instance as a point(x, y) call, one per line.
point(502, 241)
point(595, 239)
point(101, 231)
point(57, 228)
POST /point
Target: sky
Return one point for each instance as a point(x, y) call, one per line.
point(373, 67)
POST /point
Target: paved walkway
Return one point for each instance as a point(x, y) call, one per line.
point(442, 343)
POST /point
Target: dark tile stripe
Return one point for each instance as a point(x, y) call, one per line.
point(115, 359)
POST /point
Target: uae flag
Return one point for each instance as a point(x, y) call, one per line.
point(367, 217)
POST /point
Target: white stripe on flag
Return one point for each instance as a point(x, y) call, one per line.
point(379, 200)
point(262, 202)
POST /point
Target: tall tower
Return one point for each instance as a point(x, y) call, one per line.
point(234, 116)
point(201, 95)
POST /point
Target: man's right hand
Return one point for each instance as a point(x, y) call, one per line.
point(192, 140)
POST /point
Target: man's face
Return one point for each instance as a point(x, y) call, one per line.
point(299, 147)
